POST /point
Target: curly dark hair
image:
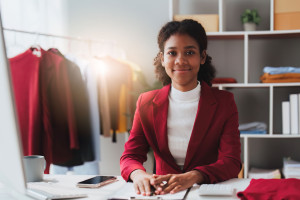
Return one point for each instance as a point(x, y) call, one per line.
point(193, 29)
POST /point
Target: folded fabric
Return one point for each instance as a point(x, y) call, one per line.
point(281, 70)
point(280, 78)
point(257, 126)
point(279, 189)
point(223, 80)
point(253, 132)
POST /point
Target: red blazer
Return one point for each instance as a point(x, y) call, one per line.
point(214, 147)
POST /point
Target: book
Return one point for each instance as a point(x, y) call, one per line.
point(264, 173)
point(291, 168)
point(294, 113)
point(286, 117)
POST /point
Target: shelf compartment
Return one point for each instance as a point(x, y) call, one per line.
point(282, 94)
point(221, 53)
point(271, 52)
point(233, 9)
point(271, 151)
point(252, 104)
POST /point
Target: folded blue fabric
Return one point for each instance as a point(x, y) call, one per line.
point(281, 70)
point(253, 126)
point(254, 132)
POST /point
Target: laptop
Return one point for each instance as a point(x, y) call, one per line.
point(12, 175)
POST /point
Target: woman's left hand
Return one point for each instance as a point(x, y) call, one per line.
point(172, 183)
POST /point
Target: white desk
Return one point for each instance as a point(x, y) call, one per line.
point(102, 193)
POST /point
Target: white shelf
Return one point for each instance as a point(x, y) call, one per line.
point(256, 85)
point(242, 55)
point(256, 33)
point(268, 136)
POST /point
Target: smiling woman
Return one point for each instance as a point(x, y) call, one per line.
point(191, 127)
point(195, 39)
point(181, 59)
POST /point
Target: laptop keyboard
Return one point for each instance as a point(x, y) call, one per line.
point(216, 190)
point(51, 191)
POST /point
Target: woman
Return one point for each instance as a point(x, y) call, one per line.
point(191, 127)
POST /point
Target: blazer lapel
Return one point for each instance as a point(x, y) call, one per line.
point(160, 114)
point(206, 110)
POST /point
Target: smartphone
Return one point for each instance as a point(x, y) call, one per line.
point(97, 181)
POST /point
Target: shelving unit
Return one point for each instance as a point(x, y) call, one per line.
point(243, 55)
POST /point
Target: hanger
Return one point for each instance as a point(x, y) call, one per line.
point(36, 48)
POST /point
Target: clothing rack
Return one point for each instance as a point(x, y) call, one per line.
point(60, 36)
point(113, 48)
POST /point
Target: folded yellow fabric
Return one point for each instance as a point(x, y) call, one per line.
point(280, 78)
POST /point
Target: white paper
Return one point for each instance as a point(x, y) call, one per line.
point(128, 191)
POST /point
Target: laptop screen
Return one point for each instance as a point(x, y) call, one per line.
point(11, 165)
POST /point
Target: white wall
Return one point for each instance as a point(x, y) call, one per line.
point(132, 24)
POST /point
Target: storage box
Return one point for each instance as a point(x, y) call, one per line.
point(286, 6)
point(287, 21)
point(286, 14)
point(210, 22)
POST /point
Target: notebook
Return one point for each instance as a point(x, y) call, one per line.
point(12, 175)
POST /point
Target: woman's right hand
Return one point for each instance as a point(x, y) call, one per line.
point(141, 182)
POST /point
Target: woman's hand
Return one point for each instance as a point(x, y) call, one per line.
point(172, 183)
point(141, 182)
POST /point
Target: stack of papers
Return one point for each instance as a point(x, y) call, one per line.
point(264, 173)
point(291, 168)
point(127, 192)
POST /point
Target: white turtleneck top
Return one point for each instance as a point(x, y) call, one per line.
point(182, 112)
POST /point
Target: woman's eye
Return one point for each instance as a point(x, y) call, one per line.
point(172, 53)
point(190, 52)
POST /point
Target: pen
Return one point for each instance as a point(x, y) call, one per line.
point(152, 190)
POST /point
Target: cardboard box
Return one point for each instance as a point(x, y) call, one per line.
point(287, 21)
point(286, 6)
point(210, 22)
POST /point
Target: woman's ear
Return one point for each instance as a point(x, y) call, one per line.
point(161, 56)
point(203, 57)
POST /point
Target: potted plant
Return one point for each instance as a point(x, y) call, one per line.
point(250, 19)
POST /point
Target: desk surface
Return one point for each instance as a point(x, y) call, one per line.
point(69, 182)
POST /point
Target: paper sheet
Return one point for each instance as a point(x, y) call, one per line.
point(128, 191)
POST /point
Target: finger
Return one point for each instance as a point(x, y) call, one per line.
point(176, 189)
point(136, 188)
point(168, 188)
point(152, 181)
point(155, 175)
point(142, 189)
point(173, 179)
point(147, 187)
point(162, 178)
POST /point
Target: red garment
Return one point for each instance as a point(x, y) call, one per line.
point(214, 147)
point(269, 189)
point(58, 112)
point(25, 79)
point(223, 80)
point(44, 106)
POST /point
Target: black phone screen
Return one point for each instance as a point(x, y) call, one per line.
point(96, 179)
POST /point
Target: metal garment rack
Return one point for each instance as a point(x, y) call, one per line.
point(89, 42)
point(60, 36)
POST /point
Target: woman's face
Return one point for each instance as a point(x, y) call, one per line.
point(181, 59)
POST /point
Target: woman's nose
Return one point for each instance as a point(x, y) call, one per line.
point(180, 60)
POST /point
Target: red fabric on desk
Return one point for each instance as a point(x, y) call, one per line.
point(269, 189)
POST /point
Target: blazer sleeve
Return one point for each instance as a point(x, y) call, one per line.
point(228, 163)
point(136, 148)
